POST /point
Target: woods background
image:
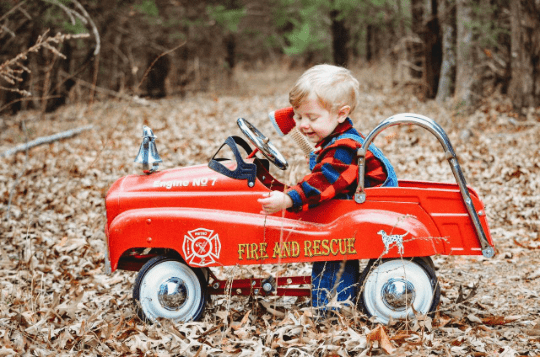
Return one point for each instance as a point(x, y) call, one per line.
point(441, 48)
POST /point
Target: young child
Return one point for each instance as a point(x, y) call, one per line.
point(322, 99)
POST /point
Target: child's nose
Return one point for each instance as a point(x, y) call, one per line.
point(303, 123)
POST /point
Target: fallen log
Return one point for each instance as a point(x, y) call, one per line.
point(46, 140)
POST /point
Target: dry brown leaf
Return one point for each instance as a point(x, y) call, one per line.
point(474, 318)
point(237, 325)
point(535, 331)
point(379, 335)
point(402, 335)
point(499, 320)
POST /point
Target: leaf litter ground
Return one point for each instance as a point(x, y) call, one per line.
point(56, 299)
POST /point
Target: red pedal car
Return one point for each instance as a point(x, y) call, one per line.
point(175, 225)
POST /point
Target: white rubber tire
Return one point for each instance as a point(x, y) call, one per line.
point(417, 274)
point(156, 274)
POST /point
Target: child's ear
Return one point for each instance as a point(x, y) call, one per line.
point(343, 113)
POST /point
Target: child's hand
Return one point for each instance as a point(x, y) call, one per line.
point(275, 202)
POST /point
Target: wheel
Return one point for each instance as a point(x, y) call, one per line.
point(262, 143)
point(166, 287)
point(391, 288)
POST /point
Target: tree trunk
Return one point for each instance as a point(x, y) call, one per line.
point(401, 18)
point(230, 52)
point(340, 39)
point(525, 83)
point(426, 54)
point(417, 27)
point(432, 51)
point(468, 79)
point(155, 83)
point(369, 43)
point(448, 68)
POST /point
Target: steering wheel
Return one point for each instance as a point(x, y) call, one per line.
point(262, 143)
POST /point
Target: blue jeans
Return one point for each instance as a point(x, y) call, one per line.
point(324, 276)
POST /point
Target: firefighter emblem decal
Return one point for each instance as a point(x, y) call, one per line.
point(201, 247)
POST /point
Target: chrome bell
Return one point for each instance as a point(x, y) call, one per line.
point(148, 155)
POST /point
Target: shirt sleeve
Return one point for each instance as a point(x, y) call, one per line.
point(335, 173)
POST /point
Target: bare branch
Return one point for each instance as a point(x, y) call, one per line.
point(46, 140)
point(68, 11)
point(12, 9)
point(7, 30)
point(20, 91)
point(11, 70)
point(82, 15)
point(94, 28)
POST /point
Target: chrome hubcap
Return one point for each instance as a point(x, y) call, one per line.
point(173, 294)
point(398, 294)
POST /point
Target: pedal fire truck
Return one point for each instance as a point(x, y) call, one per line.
point(174, 226)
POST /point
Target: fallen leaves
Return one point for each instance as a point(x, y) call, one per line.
point(56, 300)
point(498, 320)
point(378, 335)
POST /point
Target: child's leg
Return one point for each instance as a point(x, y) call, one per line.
point(323, 280)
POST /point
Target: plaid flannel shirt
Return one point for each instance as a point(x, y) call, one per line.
point(336, 171)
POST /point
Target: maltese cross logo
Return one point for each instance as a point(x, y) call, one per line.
point(201, 247)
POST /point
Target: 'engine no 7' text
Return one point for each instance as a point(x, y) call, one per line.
point(203, 181)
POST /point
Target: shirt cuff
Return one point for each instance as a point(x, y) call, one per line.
point(296, 199)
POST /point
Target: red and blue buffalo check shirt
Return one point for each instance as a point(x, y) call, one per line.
point(336, 170)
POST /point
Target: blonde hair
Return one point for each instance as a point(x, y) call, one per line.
point(334, 87)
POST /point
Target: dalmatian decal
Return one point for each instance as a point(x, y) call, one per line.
point(388, 240)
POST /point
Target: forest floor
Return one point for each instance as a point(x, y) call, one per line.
point(55, 298)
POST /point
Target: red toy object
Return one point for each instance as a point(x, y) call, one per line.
point(174, 225)
point(284, 123)
point(283, 120)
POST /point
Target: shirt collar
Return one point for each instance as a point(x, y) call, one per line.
point(340, 129)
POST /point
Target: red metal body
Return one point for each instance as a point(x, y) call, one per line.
point(212, 220)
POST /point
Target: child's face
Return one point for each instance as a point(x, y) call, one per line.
point(316, 122)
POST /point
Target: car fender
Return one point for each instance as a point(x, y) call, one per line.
point(205, 237)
